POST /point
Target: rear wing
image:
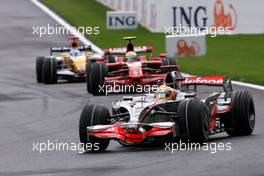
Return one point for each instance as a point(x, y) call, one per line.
point(122, 51)
point(218, 81)
point(177, 80)
point(207, 80)
point(67, 49)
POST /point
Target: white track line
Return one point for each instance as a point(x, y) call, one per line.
point(66, 25)
point(249, 85)
point(99, 51)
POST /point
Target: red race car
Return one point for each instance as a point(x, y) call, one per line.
point(170, 114)
point(131, 66)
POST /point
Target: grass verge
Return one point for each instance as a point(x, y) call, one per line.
point(241, 57)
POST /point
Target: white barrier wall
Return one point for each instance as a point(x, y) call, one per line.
point(185, 45)
point(241, 16)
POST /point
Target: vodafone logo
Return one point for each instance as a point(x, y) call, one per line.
point(215, 80)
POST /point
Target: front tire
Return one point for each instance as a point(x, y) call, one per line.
point(194, 120)
point(39, 63)
point(96, 72)
point(49, 71)
point(90, 116)
point(242, 114)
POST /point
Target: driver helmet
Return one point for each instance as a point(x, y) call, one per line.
point(165, 93)
point(131, 56)
point(74, 44)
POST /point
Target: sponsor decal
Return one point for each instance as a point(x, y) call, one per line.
point(190, 16)
point(121, 20)
point(215, 80)
point(124, 50)
point(224, 16)
point(221, 18)
point(183, 49)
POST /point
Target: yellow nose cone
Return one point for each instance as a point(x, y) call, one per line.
point(79, 63)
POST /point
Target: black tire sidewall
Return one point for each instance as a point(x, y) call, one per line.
point(194, 116)
point(39, 63)
point(49, 70)
point(95, 81)
point(93, 115)
point(241, 105)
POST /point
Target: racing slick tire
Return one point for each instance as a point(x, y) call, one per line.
point(93, 115)
point(242, 114)
point(96, 72)
point(39, 63)
point(87, 70)
point(168, 61)
point(193, 120)
point(49, 71)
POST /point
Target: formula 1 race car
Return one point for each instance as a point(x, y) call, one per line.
point(177, 110)
point(69, 64)
point(127, 66)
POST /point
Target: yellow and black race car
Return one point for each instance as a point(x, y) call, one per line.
point(67, 63)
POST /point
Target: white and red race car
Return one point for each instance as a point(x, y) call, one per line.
point(191, 116)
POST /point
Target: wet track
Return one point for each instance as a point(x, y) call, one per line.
point(31, 112)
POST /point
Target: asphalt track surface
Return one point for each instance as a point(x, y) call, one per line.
point(31, 112)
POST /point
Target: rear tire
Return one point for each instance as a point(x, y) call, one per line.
point(90, 116)
point(242, 114)
point(49, 71)
point(39, 63)
point(194, 120)
point(96, 72)
point(88, 68)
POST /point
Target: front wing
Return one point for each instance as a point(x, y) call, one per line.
point(131, 133)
